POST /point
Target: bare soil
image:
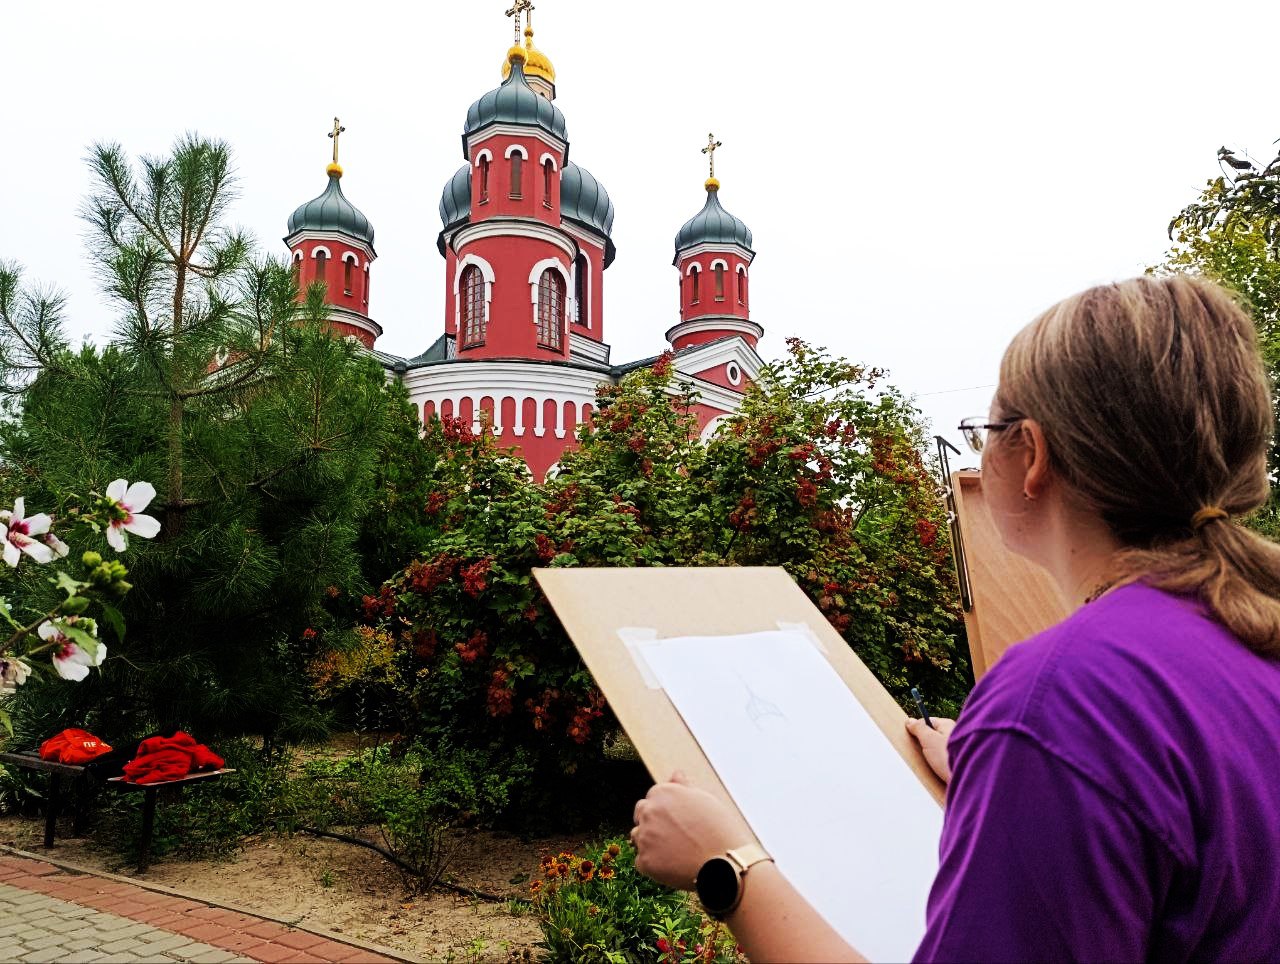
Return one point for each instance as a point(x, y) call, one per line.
point(339, 887)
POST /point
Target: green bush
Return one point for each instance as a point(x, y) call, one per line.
point(598, 908)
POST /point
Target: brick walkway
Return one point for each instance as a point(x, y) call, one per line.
point(51, 914)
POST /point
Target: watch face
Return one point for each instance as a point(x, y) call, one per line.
point(718, 884)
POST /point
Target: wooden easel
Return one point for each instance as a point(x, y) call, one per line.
point(1007, 599)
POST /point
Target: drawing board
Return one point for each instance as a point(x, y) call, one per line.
point(680, 652)
point(1013, 598)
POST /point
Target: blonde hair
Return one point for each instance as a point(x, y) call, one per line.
point(1156, 406)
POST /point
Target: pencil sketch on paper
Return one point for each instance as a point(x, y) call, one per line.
point(758, 708)
point(814, 777)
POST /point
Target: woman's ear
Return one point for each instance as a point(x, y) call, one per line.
point(1036, 459)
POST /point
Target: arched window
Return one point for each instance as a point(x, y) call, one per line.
point(346, 276)
point(551, 310)
point(548, 168)
point(484, 178)
point(473, 321)
point(517, 175)
point(366, 284)
point(322, 261)
point(719, 282)
point(580, 291)
point(742, 287)
point(694, 274)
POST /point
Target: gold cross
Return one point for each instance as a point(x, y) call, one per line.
point(710, 151)
point(337, 130)
point(517, 8)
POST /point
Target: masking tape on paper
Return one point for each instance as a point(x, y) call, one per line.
point(633, 637)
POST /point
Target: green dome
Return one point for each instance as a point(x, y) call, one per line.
point(584, 200)
point(514, 103)
point(713, 225)
point(331, 211)
point(455, 202)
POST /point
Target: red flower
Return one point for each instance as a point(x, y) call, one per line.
point(435, 502)
point(309, 633)
point(662, 367)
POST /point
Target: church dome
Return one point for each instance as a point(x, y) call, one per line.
point(713, 224)
point(514, 102)
point(331, 211)
point(455, 202)
point(584, 199)
point(537, 64)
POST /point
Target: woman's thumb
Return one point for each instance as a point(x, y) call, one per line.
point(679, 777)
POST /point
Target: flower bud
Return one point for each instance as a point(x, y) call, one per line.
point(76, 604)
point(91, 559)
point(121, 588)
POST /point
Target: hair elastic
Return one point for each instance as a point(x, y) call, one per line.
point(1207, 515)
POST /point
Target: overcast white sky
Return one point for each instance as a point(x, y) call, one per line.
point(921, 178)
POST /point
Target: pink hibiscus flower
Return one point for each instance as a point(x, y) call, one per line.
point(128, 503)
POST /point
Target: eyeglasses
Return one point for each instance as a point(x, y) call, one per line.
point(975, 430)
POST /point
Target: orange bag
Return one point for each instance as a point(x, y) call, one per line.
point(76, 747)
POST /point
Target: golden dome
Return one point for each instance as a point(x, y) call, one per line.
point(536, 64)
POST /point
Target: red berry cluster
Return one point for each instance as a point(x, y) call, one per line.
point(474, 648)
point(474, 576)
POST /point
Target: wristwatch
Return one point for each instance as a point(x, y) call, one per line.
point(722, 880)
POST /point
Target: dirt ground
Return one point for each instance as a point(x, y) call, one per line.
point(332, 885)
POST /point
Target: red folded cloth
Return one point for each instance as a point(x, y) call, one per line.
point(73, 746)
point(162, 758)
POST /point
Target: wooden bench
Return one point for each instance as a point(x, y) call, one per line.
point(30, 760)
point(150, 790)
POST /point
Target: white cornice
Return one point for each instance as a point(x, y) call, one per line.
point(514, 130)
point(746, 254)
point(505, 227)
point(487, 376)
point(348, 240)
point(717, 353)
point(580, 233)
point(715, 323)
point(589, 348)
point(349, 317)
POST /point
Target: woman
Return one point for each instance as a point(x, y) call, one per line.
point(1115, 781)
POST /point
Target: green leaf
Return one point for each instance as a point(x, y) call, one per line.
point(86, 641)
point(112, 617)
point(7, 613)
point(6, 723)
point(70, 586)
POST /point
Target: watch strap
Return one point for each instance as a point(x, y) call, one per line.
point(747, 856)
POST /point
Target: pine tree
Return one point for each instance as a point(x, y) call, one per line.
point(260, 431)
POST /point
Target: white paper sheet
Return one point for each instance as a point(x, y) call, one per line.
point(828, 796)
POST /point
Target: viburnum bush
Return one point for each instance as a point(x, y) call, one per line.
point(822, 472)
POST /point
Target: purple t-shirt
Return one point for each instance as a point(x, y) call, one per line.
point(1115, 795)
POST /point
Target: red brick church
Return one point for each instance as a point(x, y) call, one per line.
point(525, 238)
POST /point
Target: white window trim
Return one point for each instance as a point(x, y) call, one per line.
point(586, 288)
point(534, 277)
point(483, 155)
point(486, 272)
point(352, 258)
point(547, 157)
point(297, 256)
point(517, 149)
point(693, 266)
point(320, 247)
point(719, 263)
point(729, 370)
point(713, 426)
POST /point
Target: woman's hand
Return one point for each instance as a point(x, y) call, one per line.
point(679, 827)
point(934, 743)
